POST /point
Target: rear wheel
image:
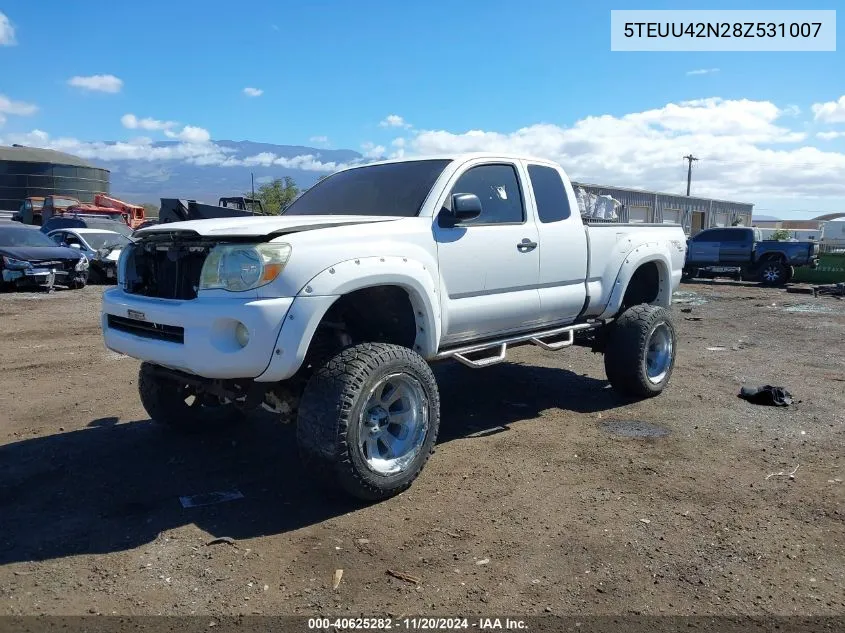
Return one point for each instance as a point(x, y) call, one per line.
point(181, 406)
point(640, 353)
point(368, 420)
point(773, 273)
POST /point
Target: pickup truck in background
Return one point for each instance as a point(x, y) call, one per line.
point(331, 313)
point(739, 251)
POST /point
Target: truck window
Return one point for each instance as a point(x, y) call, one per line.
point(392, 189)
point(549, 192)
point(497, 186)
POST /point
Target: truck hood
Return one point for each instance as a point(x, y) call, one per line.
point(262, 226)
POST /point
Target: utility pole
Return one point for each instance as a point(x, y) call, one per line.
point(689, 158)
point(252, 178)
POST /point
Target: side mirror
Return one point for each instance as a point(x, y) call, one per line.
point(465, 206)
point(76, 246)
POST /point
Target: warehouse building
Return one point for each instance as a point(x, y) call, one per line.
point(693, 213)
point(33, 172)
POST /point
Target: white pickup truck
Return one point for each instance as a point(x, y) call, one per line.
point(332, 312)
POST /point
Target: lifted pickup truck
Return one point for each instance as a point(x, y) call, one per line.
point(740, 252)
point(334, 310)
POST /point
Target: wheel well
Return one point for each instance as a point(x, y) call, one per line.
point(644, 286)
point(379, 314)
point(773, 256)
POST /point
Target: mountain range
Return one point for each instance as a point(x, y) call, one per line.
point(145, 181)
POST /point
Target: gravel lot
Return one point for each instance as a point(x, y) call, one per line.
point(547, 493)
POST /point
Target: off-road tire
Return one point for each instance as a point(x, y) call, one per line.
point(772, 267)
point(688, 274)
point(77, 285)
point(165, 403)
point(627, 348)
point(329, 419)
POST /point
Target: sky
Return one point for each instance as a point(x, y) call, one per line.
point(412, 78)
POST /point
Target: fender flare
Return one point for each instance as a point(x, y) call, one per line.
point(636, 257)
point(412, 276)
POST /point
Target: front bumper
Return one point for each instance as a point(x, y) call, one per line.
point(41, 276)
point(206, 343)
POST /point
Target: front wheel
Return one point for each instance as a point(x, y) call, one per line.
point(640, 353)
point(180, 406)
point(368, 420)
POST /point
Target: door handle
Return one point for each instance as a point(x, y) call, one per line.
point(526, 245)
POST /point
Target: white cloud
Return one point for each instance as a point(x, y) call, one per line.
point(194, 147)
point(371, 150)
point(17, 108)
point(322, 140)
point(394, 120)
point(131, 122)
point(190, 134)
point(703, 71)
point(97, 83)
point(829, 136)
point(253, 92)
point(745, 152)
point(7, 31)
point(830, 111)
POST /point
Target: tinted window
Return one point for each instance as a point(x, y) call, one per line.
point(58, 238)
point(707, 236)
point(398, 189)
point(549, 192)
point(497, 186)
point(737, 235)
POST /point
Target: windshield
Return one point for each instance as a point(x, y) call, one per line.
point(24, 237)
point(64, 202)
point(397, 189)
point(106, 240)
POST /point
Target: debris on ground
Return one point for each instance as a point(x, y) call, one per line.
point(781, 473)
point(686, 310)
point(646, 521)
point(483, 561)
point(833, 290)
point(766, 395)
point(693, 319)
point(442, 531)
point(210, 498)
point(403, 576)
point(228, 540)
point(716, 349)
point(338, 574)
point(800, 290)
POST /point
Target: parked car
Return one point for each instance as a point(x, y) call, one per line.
point(80, 221)
point(739, 251)
point(30, 258)
point(335, 308)
point(101, 247)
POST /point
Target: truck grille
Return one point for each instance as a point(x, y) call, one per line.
point(146, 329)
point(166, 269)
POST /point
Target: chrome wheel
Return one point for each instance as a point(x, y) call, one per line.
point(772, 273)
point(659, 353)
point(393, 424)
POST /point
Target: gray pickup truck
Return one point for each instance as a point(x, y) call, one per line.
point(740, 252)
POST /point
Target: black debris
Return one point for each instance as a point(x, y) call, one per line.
point(767, 395)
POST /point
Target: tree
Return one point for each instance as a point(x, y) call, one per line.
point(276, 195)
point(780, 235)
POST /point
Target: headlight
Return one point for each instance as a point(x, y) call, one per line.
point(82, 264)
point(239, 267)
point(15, 264)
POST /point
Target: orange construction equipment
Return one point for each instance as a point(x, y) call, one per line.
point(134, 212)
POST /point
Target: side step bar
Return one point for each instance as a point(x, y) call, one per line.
point(535, 338)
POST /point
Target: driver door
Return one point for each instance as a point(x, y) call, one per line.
point(489, 266)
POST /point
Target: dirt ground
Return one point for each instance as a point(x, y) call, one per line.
point(547, 493)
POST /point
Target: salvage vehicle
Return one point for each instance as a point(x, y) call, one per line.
point(30, 211)
point(741, 252)
point(178, 210)
point(84, 221)
point(30, 258)
point(331, 313)
point(101, 247)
